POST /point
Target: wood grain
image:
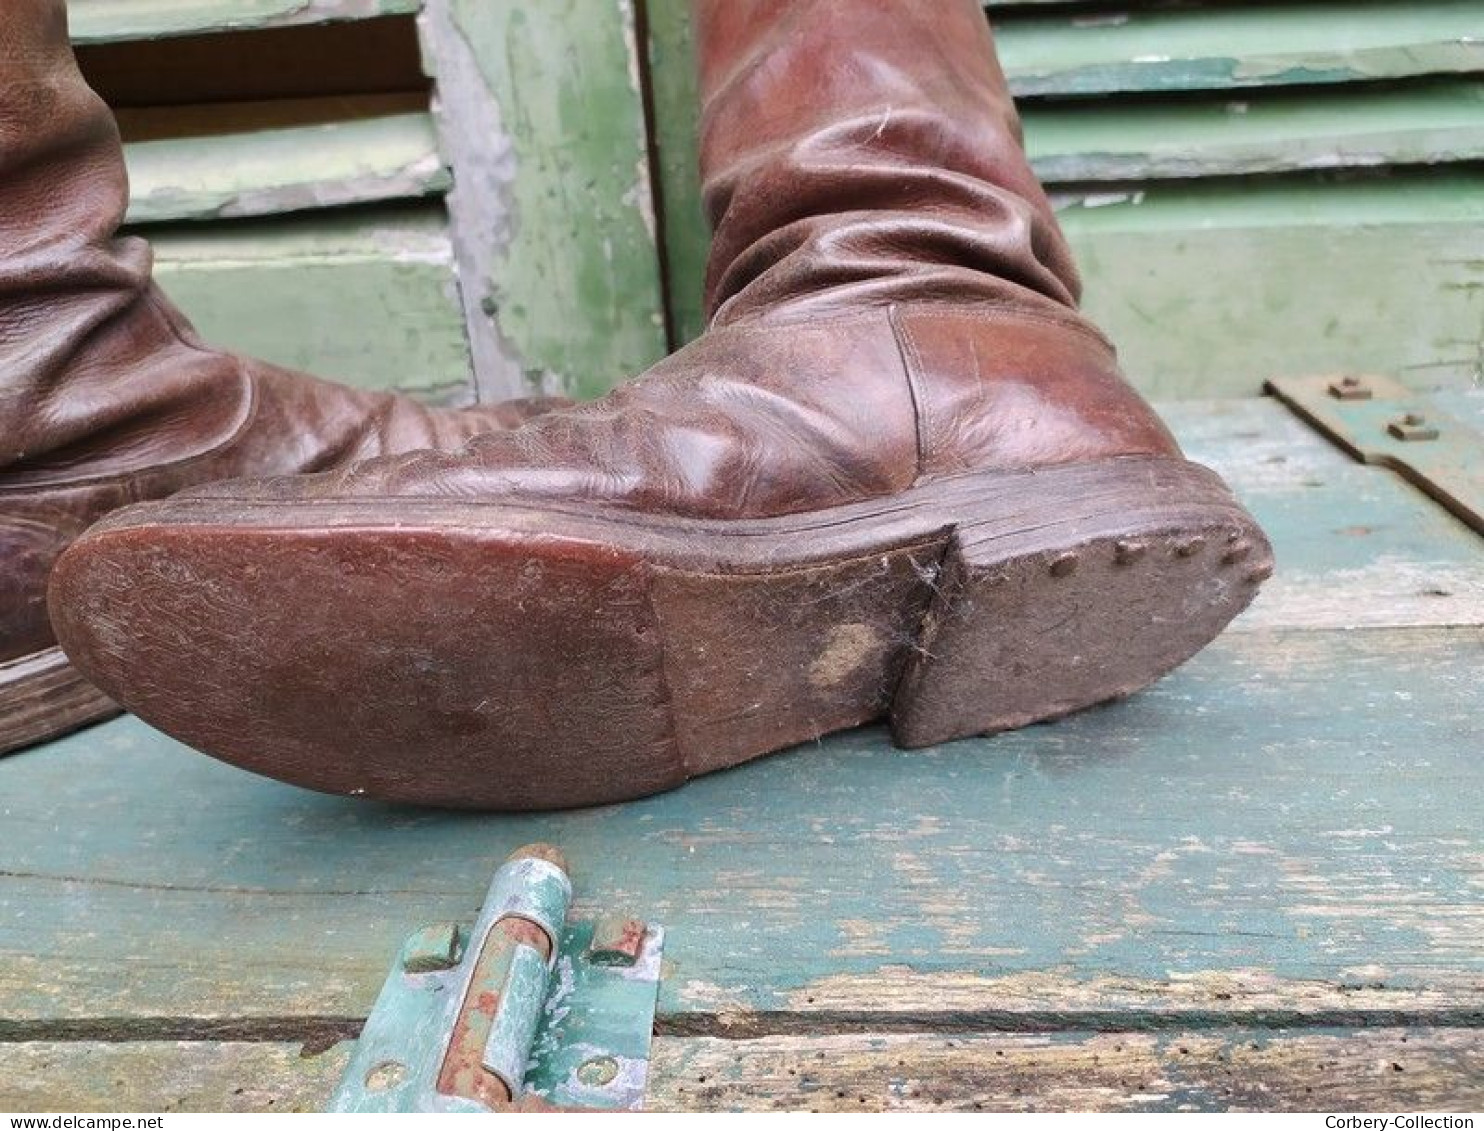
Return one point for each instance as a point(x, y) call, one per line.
point(1386, 1070)
point(542, 120)
point(1230, 1070)
point(113, 21)
point(271, 172)
point(369, 297)
point(1286, 827)
point(1432, 124)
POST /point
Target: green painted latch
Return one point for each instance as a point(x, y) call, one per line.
point(1379, 420)
point(525, 1010)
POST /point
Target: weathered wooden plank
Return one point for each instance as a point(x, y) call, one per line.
point(270, 172)
point(369, 298)
point(113, 21)
point(675, 140)
point(543, 122)
point(1210, 289)
point(1357, 546)
point(1336, 1070)
point(1239, 46)
point(168, 1076)
point(1286, 827)
point(1223, 1070)
point(1437, 124)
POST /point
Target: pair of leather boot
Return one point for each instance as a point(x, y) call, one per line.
point(899, 476)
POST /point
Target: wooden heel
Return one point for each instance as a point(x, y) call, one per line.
point(1031, 624)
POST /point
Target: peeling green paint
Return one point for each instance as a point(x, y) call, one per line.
point(576, 291)
point(1434, 124)
point(366, 297)
point(112, 21)
point(1219, 47)
point(272, 172)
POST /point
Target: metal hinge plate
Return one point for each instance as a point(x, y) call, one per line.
point(522, 1010)
point(1379, 420)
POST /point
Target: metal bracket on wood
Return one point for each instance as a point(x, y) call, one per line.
point(1379, 420)
point(524, 1010)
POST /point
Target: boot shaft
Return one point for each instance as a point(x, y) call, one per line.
point(838, 134)
point(62, 178)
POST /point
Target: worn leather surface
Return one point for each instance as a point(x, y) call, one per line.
point(106, 395)
point(891, 298)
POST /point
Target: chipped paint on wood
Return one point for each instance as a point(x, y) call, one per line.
point(168, 1076)
point(113, 21)
point(1358, 547)
point(1250, 45)
point(271, 172)
point(1437, 124)
point(543, 123)
point(1309, 299)
point(1335, 1070)
point(1251, 818)
point(1059, 998)
point(1297, 290)
point(677, 148)
point(368, 297)
point(1390, 1069)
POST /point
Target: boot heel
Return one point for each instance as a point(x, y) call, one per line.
point(1031, 624)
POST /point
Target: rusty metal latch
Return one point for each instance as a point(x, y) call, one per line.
point(523, 1010)
point(1379, 420)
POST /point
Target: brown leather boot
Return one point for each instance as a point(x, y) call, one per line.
point(898, 476)
point(106, 395)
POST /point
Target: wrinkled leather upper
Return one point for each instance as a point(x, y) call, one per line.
point(106, 395)
point(891, 296)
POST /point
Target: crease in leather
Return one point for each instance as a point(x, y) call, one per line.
point(107, 394)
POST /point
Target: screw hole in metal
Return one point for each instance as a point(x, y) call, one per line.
point(386, 1075)
point(598, 1072)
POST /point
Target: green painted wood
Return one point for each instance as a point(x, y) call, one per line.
point(1348, 1070)
point(370, 298)
point(1208, 290)
point(1442, 123)
point(1287, 827)
point(169, 1076)
point(1394, 427)
point(674, 133)
point(1357, 546)
point(1288, 823)
point(269, 172)
point(1240, 45)
point(113, 21)
point(542, 120)
point(1466, 402)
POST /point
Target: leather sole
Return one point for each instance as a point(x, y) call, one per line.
point(43, 697)
point(510, 656)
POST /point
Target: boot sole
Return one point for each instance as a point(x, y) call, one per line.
point(43, 697)
point(502, 656)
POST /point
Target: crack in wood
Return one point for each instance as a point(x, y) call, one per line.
point(317, 1033)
